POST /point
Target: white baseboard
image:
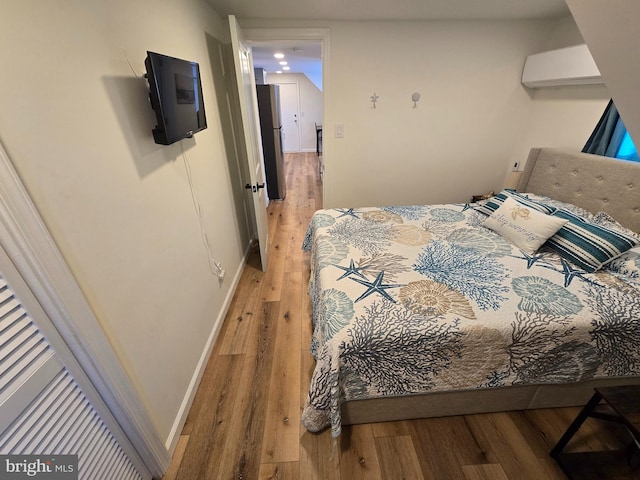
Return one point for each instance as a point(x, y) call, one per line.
point(187, 402)
point(305, 150)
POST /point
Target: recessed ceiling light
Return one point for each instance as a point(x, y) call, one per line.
point(279, 71)
point(278, 55)
point(286, 68)
point(283, 63)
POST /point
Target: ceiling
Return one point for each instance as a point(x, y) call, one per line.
point(305, 57)
point(301, 57)
point(390, 10)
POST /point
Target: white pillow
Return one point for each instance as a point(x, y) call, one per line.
point(524, 227)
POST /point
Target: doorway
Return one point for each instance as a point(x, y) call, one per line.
point(306, 56)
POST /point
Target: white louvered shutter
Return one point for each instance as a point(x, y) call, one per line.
point(43, 409)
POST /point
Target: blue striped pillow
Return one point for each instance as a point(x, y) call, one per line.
point(585, 244)
point(496, 202)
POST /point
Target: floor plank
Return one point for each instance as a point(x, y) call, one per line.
point(279, 471)
point(398, 458)
point(172, 472)
point(281, 440)
point(446, 445)
point(492, 471)
point(503, 443)
point(246, 302)
point(239, 458)
point(211, 414)
point(272, 284)
point(319, 459)
point(358, 454)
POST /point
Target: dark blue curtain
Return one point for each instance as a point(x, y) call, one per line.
point(608, 134)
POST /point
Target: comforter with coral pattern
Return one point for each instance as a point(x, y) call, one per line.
point(414, 299)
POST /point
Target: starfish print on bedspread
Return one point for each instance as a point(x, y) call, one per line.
point(351, 269)
point(568, 270)
point(376, 287)
point(570, 273)
point(531, 259)
point(348, 212)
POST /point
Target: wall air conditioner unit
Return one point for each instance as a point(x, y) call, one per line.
point(566, 66)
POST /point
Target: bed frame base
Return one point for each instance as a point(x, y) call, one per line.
point(468, 402)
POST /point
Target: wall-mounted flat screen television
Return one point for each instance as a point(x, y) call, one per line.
point(175, 91)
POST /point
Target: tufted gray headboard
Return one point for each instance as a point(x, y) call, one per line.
point(595, 183)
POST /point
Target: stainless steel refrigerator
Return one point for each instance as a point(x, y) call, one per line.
point(271, 127)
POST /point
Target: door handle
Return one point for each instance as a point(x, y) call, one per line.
point(254, 188)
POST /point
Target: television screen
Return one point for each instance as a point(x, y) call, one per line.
point(175, 92)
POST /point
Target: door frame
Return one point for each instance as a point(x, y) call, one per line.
point(321, 35)
point(85, 349)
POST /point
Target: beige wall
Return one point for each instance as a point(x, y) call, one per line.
point(561, 116)
point(76, 122)
point(474, 118)
point(456, 141)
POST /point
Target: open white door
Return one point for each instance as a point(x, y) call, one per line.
point(243, 62)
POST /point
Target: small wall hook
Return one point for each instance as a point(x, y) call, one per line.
point(415, 97)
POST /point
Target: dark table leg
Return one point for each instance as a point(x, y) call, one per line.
point(575, 425)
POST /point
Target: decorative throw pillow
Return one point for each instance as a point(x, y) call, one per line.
point(557, 204)
point(524, 227)
point(627, 265)
point(605, 220)
point(496, 201)
point(587, 245)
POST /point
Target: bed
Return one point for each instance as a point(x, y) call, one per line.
point(424, 311)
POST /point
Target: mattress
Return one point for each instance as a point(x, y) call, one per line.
point(425, 298)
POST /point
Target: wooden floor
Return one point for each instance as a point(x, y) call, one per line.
point(245, 420)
